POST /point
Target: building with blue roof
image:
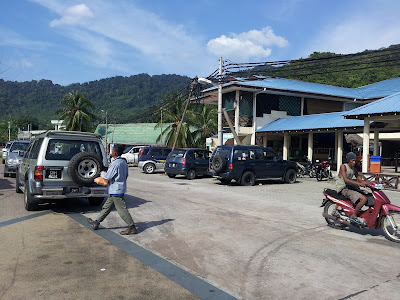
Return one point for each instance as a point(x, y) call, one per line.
point(277, 111)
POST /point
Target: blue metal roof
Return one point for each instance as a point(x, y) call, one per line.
point(386, 105)
point(380, 89)
point(375, 90)
point(312, 122)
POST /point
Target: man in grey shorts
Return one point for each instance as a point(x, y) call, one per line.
point(344, 181)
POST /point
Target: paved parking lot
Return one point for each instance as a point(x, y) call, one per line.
point(268, 241)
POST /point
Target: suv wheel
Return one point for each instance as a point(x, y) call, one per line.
point(290, 176)
point(28, 198)
point(248, 178)
point(149, 168)
point(218, 163)
point(84, 167)
point(191, 174)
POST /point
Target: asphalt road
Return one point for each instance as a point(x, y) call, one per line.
point(268, 241)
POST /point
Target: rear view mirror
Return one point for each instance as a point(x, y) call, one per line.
point(21, 153)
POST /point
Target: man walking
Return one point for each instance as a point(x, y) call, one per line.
point(116, 175)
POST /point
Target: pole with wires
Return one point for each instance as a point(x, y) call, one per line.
point(220, 132)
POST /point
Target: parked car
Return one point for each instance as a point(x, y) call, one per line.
point(190, 162)
point(153, 158)
point(62, 165)
point(4, 152)
point(246, 164)
point(14, 157)
point(131, 155)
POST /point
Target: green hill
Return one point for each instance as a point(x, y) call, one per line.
point(122, 97)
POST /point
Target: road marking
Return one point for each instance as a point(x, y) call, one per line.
point(192, 283)
point(13, 221)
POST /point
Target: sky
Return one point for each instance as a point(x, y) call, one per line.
point(77, 41)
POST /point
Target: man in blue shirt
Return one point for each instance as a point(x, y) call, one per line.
point(116, 175)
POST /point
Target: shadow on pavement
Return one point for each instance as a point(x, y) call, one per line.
point(142, 226)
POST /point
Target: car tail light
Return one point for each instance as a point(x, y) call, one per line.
point(38, 173)
point(184, 162)
point(230, 167)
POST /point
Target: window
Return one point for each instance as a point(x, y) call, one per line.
point(17, 146)
point(66, 149)
point(35, 149)
point(166, 151)
point(223, 152)
point(241, 154)
point(269, 154)
point(200, 155)
point(156, 152)
point(177, 153)
point(256, 154)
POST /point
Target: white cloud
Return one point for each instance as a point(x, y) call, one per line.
point(77, 14)
point(125, 35)
point(246, 45)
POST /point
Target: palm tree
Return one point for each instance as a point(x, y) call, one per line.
point(174, 114)
point(76, 112)
point(205, 124)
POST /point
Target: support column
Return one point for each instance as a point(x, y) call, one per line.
point(237, 113)
point(285, 145)
point(339, 149)
point(335, 154)
point(253, 136)
point(365, 146)
point(265, 139)
point(310, 145)
point(376, 141)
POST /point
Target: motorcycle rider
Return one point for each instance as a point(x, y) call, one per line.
point(346, 186)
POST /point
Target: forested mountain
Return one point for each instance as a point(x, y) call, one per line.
point(122, 97)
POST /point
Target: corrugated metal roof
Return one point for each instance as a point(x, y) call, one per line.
point(312, 122)
point(375, 90)
point(386, 105)
point(137, 133)
point(380, 89)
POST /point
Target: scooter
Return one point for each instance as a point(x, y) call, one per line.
point(309, 169)
point(379, 212)
point(323, 170)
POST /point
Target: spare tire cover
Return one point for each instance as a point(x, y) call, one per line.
point(218, 163)
point(84, 167)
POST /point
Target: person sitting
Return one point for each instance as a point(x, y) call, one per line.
point(345, 185)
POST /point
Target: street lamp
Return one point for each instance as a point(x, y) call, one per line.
point(106, 131)
point(207, 81)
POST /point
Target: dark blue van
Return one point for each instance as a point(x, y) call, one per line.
point(191, 162)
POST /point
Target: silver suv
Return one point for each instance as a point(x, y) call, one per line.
point(60, 165)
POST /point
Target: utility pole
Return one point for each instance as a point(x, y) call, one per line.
point(162, 141)
point(106, 135)
point(220, 133)
point(9, 131)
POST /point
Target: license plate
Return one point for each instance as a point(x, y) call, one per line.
point(53, 174)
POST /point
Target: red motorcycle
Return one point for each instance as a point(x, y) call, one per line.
point(379, 212)
point(323, 170)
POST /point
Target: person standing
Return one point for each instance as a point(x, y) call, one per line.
point(116, 175)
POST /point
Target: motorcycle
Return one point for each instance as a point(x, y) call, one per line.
point(323, 170)
point(309, 169)
point(379, 212)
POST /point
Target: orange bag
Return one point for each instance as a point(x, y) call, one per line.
point(101, 181)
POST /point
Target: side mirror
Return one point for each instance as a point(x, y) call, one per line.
point(21, 153)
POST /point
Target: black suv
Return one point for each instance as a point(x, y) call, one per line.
point(246, 164)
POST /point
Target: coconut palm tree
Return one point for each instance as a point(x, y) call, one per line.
point(174, 114)
point(76, 111)
point(205, 124)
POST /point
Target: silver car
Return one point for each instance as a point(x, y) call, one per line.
point(62, 165)
point(14, 157)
